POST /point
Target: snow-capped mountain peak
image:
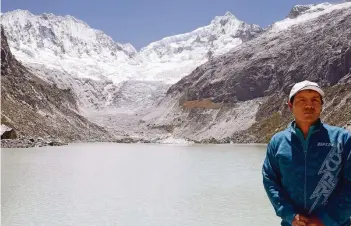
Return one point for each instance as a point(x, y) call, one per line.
point(67, 51)
point(180, 54)
point(221, 35)
point(62, 35)
point(223, 20)
point(69, 44)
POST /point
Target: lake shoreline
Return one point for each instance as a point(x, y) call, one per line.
point(30, 143)
point(41, 142)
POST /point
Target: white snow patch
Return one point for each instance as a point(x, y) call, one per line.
point(173, 140)
point(312, 13)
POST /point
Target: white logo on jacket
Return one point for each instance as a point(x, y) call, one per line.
point(330, 170)
point(321, 144)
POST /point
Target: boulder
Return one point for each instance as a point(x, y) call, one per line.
point(7, 132)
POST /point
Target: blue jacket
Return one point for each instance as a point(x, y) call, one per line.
point(310, 176)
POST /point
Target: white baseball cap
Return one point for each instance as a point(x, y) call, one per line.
point(303, 86)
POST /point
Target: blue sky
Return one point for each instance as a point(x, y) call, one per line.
point(143, 21)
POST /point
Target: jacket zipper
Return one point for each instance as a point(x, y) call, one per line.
point(305, 189)
point(305, 149)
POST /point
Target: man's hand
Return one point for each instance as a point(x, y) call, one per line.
point(315, 222)
point(300, 220)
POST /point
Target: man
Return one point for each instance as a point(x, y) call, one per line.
point(307, 170)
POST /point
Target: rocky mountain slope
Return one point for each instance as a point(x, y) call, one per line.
point(35, 108)
point(240, 96)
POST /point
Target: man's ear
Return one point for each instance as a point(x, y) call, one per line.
point(290, 105)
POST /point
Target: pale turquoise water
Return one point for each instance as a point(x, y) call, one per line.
point(135, 184)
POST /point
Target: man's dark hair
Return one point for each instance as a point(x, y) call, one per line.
point(292, 99)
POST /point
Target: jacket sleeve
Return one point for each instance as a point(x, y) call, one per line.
point(273, 187)
point(338, 208)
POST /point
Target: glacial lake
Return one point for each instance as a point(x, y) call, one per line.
point(104, 184)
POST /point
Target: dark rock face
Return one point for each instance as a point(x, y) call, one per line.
point(318, 50)
point(9, 135)
point(248, 34)
point(35, 108)
point(6, 55)
point(297, 10)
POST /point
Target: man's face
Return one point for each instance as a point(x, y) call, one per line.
point(307, 106)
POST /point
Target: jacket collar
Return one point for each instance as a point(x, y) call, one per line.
point(315, 127)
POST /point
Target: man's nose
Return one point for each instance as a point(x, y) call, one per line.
point(309, 105)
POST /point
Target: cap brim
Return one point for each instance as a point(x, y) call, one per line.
point(314, 88)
